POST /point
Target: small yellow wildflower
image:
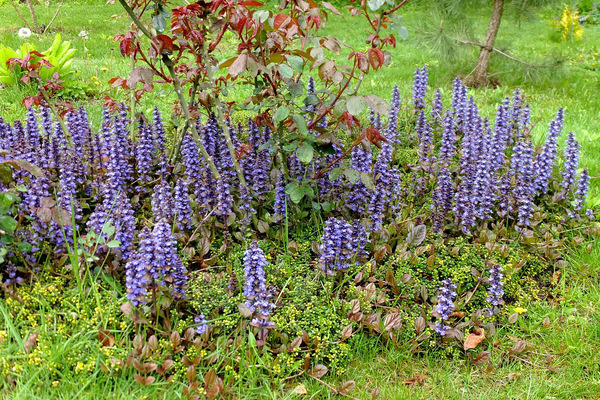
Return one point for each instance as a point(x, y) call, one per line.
point(94, 78)
point(520, 310)
point(104, 69)
point(96, 83)
point(55, 383)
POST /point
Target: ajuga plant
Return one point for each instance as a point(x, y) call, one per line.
point(417, 175)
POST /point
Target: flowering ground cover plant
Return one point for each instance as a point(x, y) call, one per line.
point(207, 245)
point(474, 209)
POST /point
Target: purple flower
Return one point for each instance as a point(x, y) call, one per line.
point(280, 200)
point(255, 287)
point(201, 324)
point(340, 244)
point(545, 161)
point(443, 195)
point(582, 189)
point(495, 291)
point(183, 209)
point(163, 205)
point(166, 261)
point(523, 192)
point(438, 107)
point(420, 87)
point(445, 305)
point(448, 146)
point(571, 163)
point(425, 137)
point(143, 154)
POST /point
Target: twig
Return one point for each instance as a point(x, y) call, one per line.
point(20, 15)
point(55, 15)
point(334, 389)
point(501, 53)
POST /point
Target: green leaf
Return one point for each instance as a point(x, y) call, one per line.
point(8, 224)
point(24, 247)
point(327, 206)
point(335, 173)
point(282, 113)
point(5, 173)
point(296, 89)
point(291, 146)
point(8, 198)
point(305, 152)
point(295, 192)
point(308, 190)
point(352, 175)
point(300, 123)
point(375, 5)
point(367, 180)
point(403, 32)
point(159, 23)
point(296, 62)
point(113, 244)
point(356, 104)
point(108, 229)
point(260, 16)
point(286, 71)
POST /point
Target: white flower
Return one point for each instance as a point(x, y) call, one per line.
point(24, 33)
point(84, 35)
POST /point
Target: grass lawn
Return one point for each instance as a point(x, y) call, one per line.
point(562, 356)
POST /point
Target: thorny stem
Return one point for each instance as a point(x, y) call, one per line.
point(186, 114)
point(177, 86)
point(221, 121)
point(335, 100)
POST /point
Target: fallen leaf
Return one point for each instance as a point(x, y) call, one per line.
point(418, 379)
point(106, 338)
point(30, 342)
point(318, 371)
point(474, 338)
point(300, 389)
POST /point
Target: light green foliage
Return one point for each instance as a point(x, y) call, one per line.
point(59, 55)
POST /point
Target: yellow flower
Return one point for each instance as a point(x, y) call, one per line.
point(89, 54)
point(94, 77)
point(520, 310)
point(104, 69)
point(96, 83)
point(55, 383)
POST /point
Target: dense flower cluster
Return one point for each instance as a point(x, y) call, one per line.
point(255, 288)
point(495, 291)
point(341, 243)
point(445, 305)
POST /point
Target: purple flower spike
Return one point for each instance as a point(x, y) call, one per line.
point(571, 163)
point(445, 305)
point(201, 324)
point(496, 291)
point(582, 189)
point(255, 288)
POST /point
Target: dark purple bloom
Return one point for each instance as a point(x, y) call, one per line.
point(201, 324)
point(582, 189)
point(443, 196)
point(183, 209)
point(545, 161)
point(340, 244)
point(279, 207)
point(420, 87)
point(448, 146)
point(445, 305)
point(495, 291)
point(523, 192)
point(168, 265)
point(255, 287)
point(571, 163)
point(437, 109)
point(163, 205)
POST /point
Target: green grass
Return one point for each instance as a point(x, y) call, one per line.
point(571, 343)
